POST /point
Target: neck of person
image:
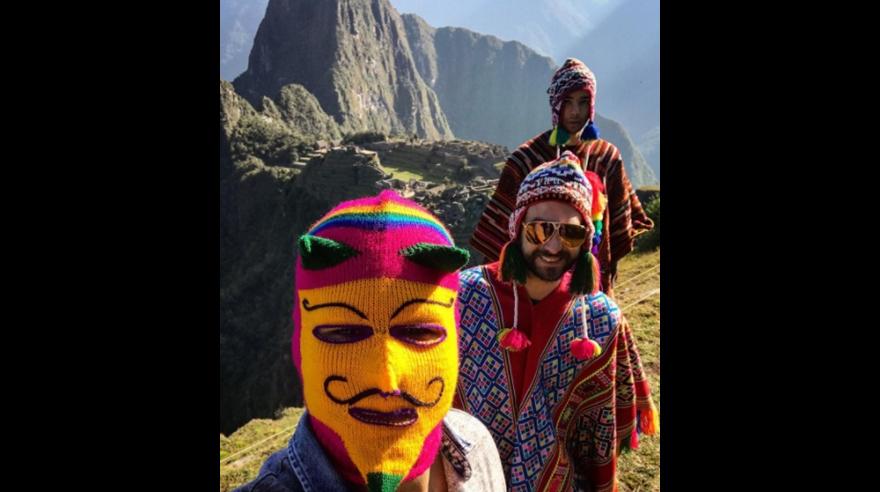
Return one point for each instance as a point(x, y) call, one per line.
point(538, 289)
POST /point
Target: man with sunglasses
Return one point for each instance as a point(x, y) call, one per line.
point(572, 104)
point(548, 363)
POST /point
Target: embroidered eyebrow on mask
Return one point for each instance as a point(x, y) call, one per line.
point(309, 307)
point(425, 301)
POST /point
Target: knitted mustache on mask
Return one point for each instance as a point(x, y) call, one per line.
point(399, 417)
point(375, 336)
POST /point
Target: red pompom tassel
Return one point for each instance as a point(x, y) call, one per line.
point(585, 349)
point(513, 339)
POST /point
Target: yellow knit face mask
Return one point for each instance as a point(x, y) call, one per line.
point(379, 368)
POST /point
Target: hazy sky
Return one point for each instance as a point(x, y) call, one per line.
point(525, 21)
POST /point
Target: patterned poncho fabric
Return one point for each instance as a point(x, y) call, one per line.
point(559, 423)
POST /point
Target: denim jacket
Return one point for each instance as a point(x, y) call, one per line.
point(471, 461)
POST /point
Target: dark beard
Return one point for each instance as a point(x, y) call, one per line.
point(554, 273)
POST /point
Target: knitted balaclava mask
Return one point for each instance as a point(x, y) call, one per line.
point(561, 180)
point(572, 76)
point(375, 337)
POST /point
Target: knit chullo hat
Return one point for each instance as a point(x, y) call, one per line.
point(573, 75)
point(375, 336)
point(561, 180)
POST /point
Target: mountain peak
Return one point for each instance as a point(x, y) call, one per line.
point(354, 56)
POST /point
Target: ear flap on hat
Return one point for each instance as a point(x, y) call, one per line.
point(513, 263)
point(585, 279)
point(319, 252)
point(444, 258)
